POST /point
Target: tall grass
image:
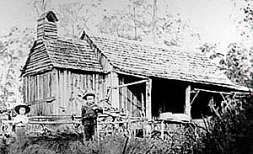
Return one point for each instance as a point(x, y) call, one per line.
point(229, 132)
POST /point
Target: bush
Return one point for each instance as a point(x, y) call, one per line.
point(230, 132)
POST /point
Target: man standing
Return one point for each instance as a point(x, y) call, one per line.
point(89, 114)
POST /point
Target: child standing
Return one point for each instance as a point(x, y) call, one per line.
point(20, 121)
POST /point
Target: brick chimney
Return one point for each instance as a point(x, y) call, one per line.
point(47, 26)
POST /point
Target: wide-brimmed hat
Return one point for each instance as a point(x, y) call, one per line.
point(89, 93)
point(17, 107)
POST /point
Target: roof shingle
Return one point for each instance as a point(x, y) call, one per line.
point(133, 57)
point(72, 54)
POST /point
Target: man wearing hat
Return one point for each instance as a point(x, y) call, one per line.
point(20, 121)
point(89, 114)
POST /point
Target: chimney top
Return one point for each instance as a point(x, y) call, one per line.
point(47, 26)
point(50, 16)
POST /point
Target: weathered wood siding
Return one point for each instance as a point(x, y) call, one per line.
point(57, 92)
point(132, 98)
point(37, 90)
point(67, 88)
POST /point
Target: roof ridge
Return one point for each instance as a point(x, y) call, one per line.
point(143, 43)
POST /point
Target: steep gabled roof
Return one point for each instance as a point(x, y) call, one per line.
point(133, 57)
point(61, 53)
point(73, 54)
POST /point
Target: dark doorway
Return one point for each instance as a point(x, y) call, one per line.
point(167, 96)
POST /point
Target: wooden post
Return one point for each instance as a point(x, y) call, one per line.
point(187, 107)
point(115, 92)
point(148, 99)
point(162, 129)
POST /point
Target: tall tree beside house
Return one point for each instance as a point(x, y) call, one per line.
point(133, 22)
point(77, 16)
point(247, 21)
point(14, 48)
point(142, 21)
point(236, 62)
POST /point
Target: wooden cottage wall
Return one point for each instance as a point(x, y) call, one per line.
point(131, 98)
point(38, 93)
point(68, 90)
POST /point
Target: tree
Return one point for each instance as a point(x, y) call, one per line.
point(236, 63)
point(141, 21)
point(76, 16)
point(14, 48)
point(131, 23)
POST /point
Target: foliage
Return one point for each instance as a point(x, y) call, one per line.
point(180, 141)
point(247, 21)
point(142, 21)
point(230, 132)
point(76, 17)
point(236, 63)
point(14, 48)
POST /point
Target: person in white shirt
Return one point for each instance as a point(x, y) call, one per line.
point(20, 121)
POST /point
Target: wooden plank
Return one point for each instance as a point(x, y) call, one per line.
point(37, 106)
point(65, 90)
point(130, 84)
point(84, 82)
point(50, 92)
point(44, 77)
point(187, 107)
point(69, 89)
point(128, 98)
point(115, 92)
point(90, 81)
point(30, 88)
point(61, 90)
point(68, 92)
point(93, 82)
point(34, 87)
point(97, 87)
point(56, 105)
point(81, 81)
point(24, 89)
point(121, 106)
point(43, 100)
point(148, 99)
point(124, 95)
point(131, 74)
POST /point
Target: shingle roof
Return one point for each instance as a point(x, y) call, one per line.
point(133, 57)
point(72, 54)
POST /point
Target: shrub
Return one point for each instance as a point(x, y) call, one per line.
point(230, 132)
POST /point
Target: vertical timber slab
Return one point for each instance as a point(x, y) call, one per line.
point(115, 91)
point(148, 99)
point(61, 90)
point(65, 91)
point(24, 90)
point(98, 94)
point(142, 103)
point(57, 103)
point(70, 104)
point(53, 90)
point(187, 107)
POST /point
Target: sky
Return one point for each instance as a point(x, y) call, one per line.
point(213, 19)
